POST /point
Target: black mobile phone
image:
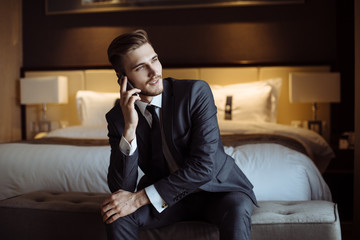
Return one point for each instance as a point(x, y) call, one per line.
point(129, 84)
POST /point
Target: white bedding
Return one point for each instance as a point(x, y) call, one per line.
point(316, 146)
point(27, 167)
point(277, 172)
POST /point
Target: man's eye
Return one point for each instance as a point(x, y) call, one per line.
point(155, 59)
point(139, 68)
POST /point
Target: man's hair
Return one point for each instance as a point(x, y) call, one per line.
point(123, 44)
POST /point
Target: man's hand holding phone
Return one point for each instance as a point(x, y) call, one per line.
point(128, 96)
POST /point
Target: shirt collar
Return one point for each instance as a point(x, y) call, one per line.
point(156, 101)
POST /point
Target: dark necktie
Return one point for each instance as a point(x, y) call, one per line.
point(159, 165)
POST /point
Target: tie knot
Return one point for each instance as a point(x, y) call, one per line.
point(151, 109)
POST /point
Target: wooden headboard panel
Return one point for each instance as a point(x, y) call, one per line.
point(104, 80)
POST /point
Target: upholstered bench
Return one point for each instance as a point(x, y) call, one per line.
point(63, 215)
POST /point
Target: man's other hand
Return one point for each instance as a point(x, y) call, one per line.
point(121, 204)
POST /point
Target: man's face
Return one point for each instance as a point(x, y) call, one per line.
point(144, 70)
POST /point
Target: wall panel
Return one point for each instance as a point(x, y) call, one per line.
point(300, 33)
point(10, 63)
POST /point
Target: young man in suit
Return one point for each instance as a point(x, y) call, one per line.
point(188, 176)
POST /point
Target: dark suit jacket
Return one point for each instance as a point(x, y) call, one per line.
point(192, 134)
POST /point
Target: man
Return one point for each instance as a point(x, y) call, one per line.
point(195, 180)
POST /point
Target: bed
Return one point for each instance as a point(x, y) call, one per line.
point(64, 161)
point(283, 162)
point(53, 183)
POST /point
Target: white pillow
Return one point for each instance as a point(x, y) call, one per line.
point(254, 101)
point(92, 106)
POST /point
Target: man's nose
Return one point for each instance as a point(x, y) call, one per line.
point(152, 71)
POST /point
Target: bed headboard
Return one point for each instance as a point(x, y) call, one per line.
point(104, 80)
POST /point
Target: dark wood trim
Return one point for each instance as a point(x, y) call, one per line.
point(23, 112)
point(240, 63)
point(60, 68)
point(23, 121)
point(246, 63)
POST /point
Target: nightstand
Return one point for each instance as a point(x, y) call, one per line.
point(340, 178)
point(39, 129)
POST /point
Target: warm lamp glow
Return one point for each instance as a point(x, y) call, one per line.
point(43, 90)
point(39, 90)
point(314, 87)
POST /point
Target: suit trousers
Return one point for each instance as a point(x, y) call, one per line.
point(230, 211)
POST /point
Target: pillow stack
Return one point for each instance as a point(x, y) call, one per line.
point(254, 101)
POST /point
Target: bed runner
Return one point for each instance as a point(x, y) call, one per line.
point(242, 139)
point(227, 140)
point(69, 141)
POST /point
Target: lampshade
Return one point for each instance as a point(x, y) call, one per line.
point(41, 90)
point(310, 87)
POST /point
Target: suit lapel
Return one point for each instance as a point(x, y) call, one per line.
point(167, 112)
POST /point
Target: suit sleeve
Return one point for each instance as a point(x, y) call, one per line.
point(123, 169)
point(203, 141)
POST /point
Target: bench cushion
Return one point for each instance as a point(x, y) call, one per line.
point(296, 220)
point(69, 215)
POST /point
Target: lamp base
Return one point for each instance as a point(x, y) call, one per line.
point(44, 126)
point(315, 126)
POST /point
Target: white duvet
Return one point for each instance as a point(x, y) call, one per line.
point(277, 172)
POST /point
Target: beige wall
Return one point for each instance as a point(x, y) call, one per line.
point(10, 63)
point(89, 80)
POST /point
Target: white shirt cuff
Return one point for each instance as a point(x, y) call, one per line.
point(155, 198)
point(126, 147)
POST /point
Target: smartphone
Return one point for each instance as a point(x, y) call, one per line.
point(129, 84)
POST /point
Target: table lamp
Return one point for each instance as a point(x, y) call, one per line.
point(44, 90)
point(314, 87)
